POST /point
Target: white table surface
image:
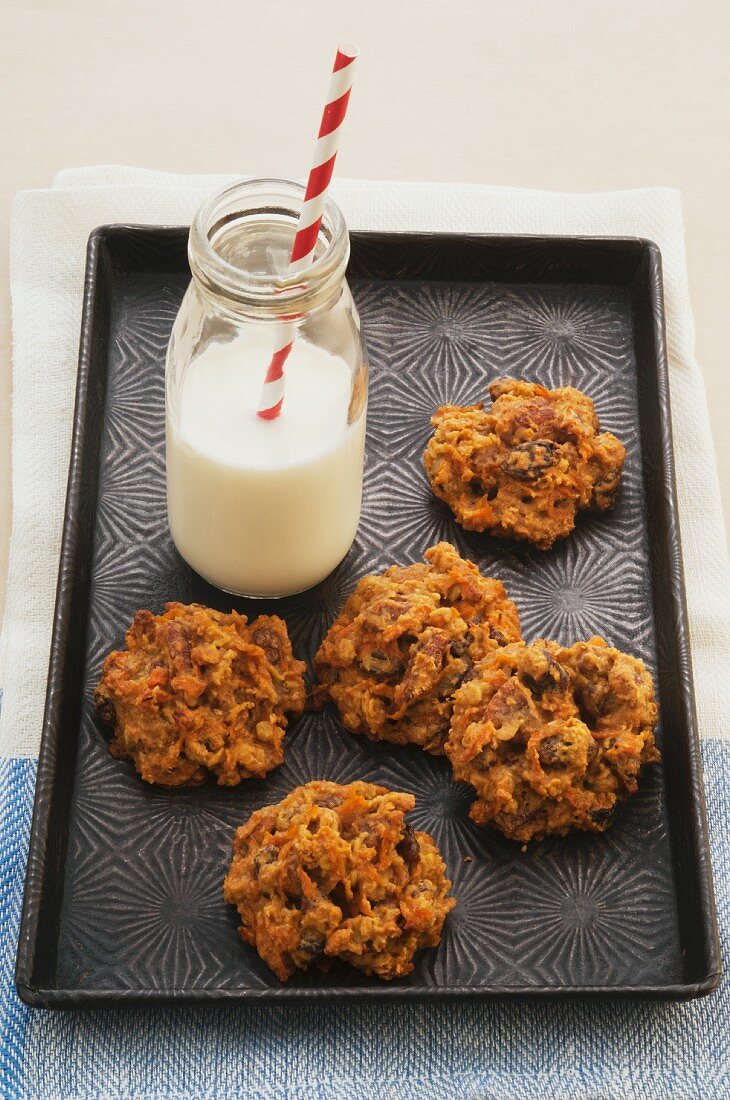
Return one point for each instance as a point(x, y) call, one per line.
point(563, 94)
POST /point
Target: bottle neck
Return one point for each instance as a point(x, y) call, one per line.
point(239, 248)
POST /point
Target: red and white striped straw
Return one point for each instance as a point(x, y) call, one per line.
point(310, 217)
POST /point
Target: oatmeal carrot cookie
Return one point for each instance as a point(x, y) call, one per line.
point(553, 738)
point(197, 692)
point(403, 643)
point(525, 467)
point(334, 872)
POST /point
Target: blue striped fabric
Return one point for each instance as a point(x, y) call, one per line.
point(424, 1052)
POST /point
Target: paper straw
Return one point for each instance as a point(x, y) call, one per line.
point(310, 217)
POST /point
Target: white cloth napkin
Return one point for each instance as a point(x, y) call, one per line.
point(48, 242)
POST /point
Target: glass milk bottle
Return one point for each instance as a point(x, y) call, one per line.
point(264, 507)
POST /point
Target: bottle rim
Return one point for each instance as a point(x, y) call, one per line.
point(266, 293)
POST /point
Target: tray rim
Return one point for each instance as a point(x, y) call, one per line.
point(57, 997)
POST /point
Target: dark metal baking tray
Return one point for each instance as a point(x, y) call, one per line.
point(123, 896)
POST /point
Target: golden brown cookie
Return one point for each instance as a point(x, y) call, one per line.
point(403, 643)
point(334, 872)
point(197, 692)
point(553, 737)
point(525, 467)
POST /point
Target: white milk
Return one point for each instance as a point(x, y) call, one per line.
point(264, 508)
